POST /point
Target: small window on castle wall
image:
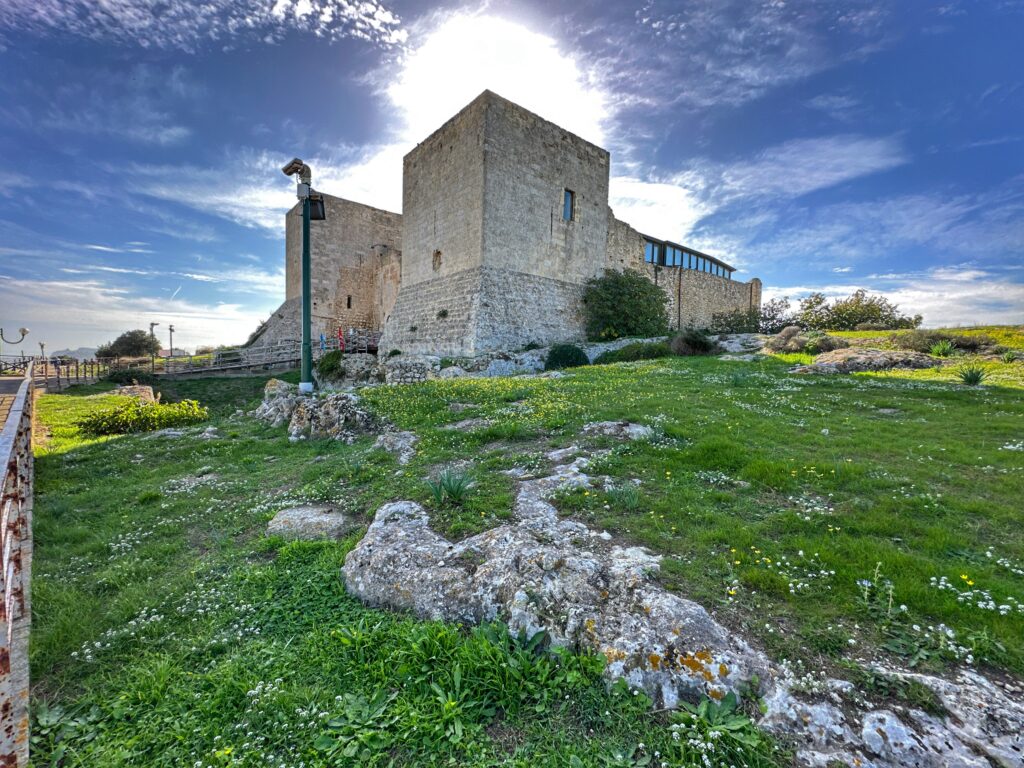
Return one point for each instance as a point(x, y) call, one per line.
point(348, 302)
point(437, 260)
point(569, 205)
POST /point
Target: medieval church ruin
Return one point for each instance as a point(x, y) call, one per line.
point(505, 217)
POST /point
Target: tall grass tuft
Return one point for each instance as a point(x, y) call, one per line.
point(942, 348)
point(451, 487)
point(971, 375)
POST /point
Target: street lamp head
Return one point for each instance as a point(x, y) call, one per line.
point(296, 166)
point(23, 332)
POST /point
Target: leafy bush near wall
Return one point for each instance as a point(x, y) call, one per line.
point(623, 303)
point(693, 341)
point(638, 351)
point(136, 416)
point(565, 356)
point(329, 366)
point(770, 317)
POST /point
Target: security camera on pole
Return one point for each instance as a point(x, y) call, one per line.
point(312, 208)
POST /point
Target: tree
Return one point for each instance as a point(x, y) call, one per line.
point(623, 303)
point(130, 344)
point(857, 309)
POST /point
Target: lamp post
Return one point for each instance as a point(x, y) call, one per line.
point(22, 331)
point(151, 327)
point(170, 329)
point(312, 208)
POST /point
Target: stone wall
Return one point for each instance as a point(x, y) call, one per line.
point(442, 199)
point(695, 297)
point(435, 316)
point(353, 256)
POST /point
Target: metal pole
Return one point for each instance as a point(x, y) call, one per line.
point(306, 377)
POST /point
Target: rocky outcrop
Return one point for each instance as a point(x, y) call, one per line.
point(402, 444)
point(544, 573)
point(855, 359)
point(354, 369)
point(310, 522)
point(140, 392)
point(334, 416)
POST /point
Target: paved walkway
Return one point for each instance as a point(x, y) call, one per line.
point(8, 389)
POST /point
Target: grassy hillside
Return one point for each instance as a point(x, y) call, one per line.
point(810, 513)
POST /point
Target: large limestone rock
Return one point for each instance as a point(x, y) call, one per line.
point(541, 572)
point(854, 359)
point(335, 416)
point(402, 444)
point(310, 522)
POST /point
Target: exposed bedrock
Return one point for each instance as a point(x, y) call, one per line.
point(541, 572)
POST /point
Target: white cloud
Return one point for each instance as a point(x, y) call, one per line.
point(188, 25)
point(797, 167)
point(665, 210)
point(469, 53)
point(92, 312)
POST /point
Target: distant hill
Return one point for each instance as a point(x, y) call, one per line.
point(82, 353)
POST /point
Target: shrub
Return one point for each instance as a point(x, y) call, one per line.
point(623, 303)
point(693, 341)
point(136, 416)
point(770, 317)
point(793, 339)
point(972, 375)
point(638, 351)
point(138, 343)
point(565, 356)
point(846, 314)
point(975, 342)
point(871, 327)
point(943, 348)
point(1008, 356)
point(394, 353)
point(127, 376)
point(919, 341)
point(329, 366)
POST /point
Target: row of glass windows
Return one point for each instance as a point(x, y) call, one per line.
point(670, 256)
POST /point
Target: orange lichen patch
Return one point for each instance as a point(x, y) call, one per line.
point(604, 594)
point(590, 625)
point(614, 654)
point(716, 694)
point(655, 660)
point(704, 656)
point(722, 670)
point(676, 632)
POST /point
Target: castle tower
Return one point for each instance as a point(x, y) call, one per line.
point(505, 217)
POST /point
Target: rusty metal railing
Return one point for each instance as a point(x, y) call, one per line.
point(15, 571)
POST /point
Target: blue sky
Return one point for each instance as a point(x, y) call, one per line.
point(817, 145)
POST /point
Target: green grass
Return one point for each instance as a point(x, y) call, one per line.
point(757, 480)
point(1005, 335)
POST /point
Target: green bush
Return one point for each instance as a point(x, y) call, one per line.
point(770, 317)
point(943, 348)
point(451, 487)
point(138, 343)
point(126, 376)
point(136, 416)
point(329, 366)
point(846, 314)
point(1008, 356)
point(638, 351)
point(621, 304)
point(565, 356)
point(693, 341)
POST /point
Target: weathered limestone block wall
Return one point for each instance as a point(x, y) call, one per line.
point(435, 317)
point(625, 248)
point(528, 164)
point(352, 254)
point(443, 198)
point(695, 297)
point(530, 308)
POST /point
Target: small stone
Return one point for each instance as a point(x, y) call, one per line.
point(310, 522)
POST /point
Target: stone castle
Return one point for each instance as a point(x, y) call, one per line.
point(505, 218)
